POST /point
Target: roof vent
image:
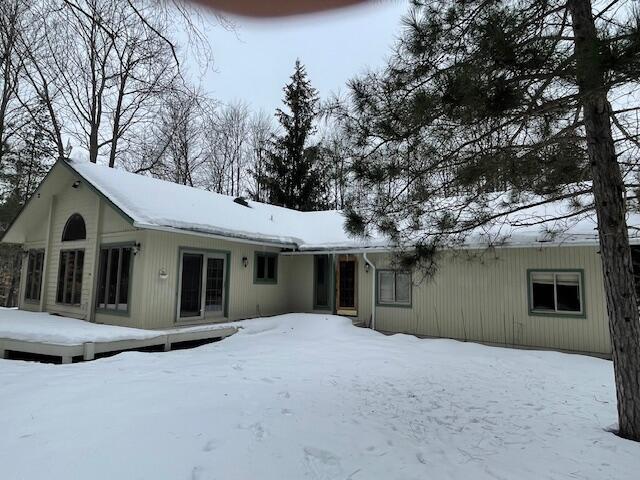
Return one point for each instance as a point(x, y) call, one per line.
point(241, 201)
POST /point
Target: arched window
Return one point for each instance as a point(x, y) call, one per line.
point(74, 229)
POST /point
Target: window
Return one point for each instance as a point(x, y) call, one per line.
point(35, 261)
point(266, 268)
point(394, 288)
point(114, 274)
point(70, 277)
point(558, 292)
point(322, 282)
point(74, 229)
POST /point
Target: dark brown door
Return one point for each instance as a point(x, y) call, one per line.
point(347, 286)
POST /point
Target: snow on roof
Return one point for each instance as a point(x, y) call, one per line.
point(157, 204)
point(153, 203)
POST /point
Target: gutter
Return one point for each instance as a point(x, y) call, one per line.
point(529, 244)
point(373, 291)
point(228, 237)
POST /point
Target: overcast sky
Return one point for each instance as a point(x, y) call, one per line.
point(254, 62)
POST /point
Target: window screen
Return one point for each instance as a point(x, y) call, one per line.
point(556, 292)
point(35, 261)
point(394, 287)
point(70, 277)
point(266, 267)
point(113, 278)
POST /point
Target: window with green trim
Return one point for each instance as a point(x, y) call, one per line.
point(556, 292)
point(394, 287)
point(114, 278)
point(35, 261)
point(266, 267)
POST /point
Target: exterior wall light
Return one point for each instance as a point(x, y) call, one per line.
point(366, 268)
point(163, 274)
point(245, 262)
point(76, 184)
point(136, 248)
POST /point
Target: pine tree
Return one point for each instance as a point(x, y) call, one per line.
point(293, 178)
point(530, 96)
point(24, 166)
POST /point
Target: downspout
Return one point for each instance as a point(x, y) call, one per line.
point(373, 291)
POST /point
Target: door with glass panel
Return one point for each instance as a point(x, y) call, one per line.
point(202, 285)
point(347, 286)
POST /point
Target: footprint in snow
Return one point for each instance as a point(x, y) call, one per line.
point(210, 446)
point(322, 464)
point(196, 473)
point(286, 411)
point(258, 430)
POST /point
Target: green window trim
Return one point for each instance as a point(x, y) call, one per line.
point(394, 304)
point(265, 280)
point(132, 254)
point(227, 280)
point(33, 292)
point(556, 313)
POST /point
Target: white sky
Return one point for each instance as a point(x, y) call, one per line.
point(254, 62)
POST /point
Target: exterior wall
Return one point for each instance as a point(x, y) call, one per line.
point(67, 202)
point(160, 251)
point(103, 225)
point(485, 298)
point(153, 301)
point(480, 296)
point(300, 283)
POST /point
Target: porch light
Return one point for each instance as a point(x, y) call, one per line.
point(366, 268)
point(76, 184)
point(245, 262)
point(163, 274)
point(136, 248)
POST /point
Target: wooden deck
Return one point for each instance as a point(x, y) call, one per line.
point(88, 350)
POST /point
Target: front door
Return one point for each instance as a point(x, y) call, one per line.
point(346, 286)
point(202, 286)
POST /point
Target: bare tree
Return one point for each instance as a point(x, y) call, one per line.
point(226, 142)
point(12, 21)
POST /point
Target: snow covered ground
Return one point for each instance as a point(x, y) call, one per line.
point(43, 327)
point(312, 397)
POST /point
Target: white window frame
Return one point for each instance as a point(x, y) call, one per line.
point(30, 287)
point(394, 303)
point(555, 311)
point(204, 313)
point(101, 303)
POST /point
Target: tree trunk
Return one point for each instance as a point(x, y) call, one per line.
point(608, 192)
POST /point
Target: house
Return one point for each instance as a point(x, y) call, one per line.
point(113, 247)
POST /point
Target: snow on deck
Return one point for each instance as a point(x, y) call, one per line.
point(52, 329)
point(312, 397)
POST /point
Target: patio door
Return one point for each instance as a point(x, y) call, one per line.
point(202, 285)
point(347, 286)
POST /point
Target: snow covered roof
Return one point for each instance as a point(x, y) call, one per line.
point(149, 203)
point(157, 204)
